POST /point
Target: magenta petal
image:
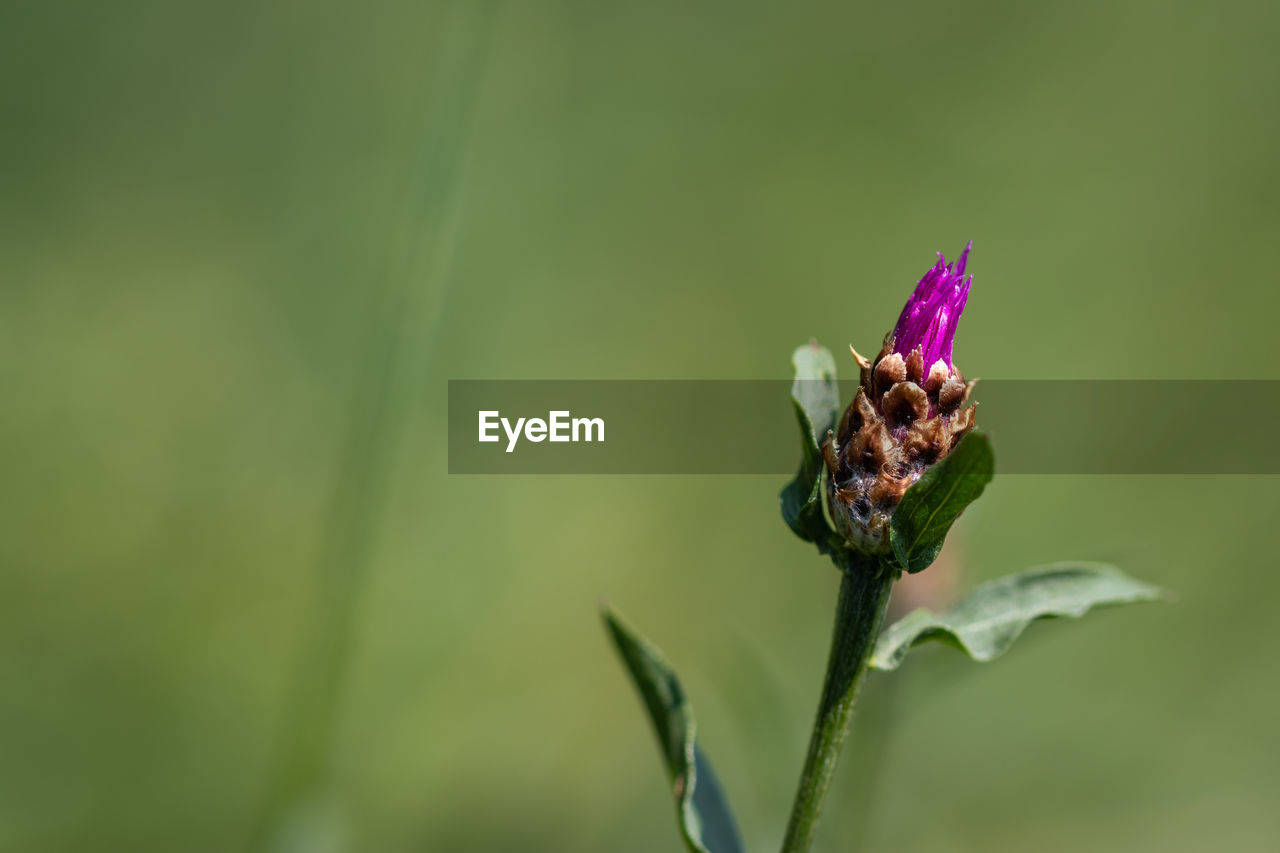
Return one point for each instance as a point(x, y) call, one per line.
point(930, 316)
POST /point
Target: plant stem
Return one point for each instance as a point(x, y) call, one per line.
point(864, 596)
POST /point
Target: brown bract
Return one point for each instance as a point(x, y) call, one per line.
point(901, 421)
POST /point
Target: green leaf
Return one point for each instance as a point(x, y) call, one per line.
point(815, 394)
point(987, 622)
point(929, 508)
point(706, 821)
point(816, 398)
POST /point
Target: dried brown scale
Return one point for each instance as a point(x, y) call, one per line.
point(905, 403)
point(902, 420)
point(890, 369)
point(953, 393)
point(915, 362)
point(938, 374)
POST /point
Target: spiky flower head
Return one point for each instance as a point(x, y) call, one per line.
point(908, 413)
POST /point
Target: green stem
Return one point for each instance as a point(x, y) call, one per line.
point(864, 595)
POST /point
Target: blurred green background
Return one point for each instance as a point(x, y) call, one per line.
point(243, 245)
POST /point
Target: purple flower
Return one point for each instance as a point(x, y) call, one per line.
point(910, 410)
point(928, 321)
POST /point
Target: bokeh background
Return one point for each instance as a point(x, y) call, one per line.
point(244, 245)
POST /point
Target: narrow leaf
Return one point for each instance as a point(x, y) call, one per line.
point(815, 394)
point(816, 399)
point(987, 622)
point(929, 508)
point(706, 821)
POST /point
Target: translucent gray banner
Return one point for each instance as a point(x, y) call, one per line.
point(748, 427)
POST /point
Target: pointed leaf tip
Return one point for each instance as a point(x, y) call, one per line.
point(706, 821)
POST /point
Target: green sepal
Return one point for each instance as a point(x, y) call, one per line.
point(816, 399)
point(928, 509)
point(702, 809)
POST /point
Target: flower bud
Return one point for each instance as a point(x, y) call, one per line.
point(908, 413)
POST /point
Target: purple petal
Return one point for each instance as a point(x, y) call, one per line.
point(929, 318)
